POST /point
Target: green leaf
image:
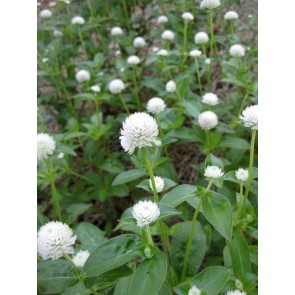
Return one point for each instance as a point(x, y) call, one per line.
point(211, 280)
point(145, 184)
point(239, 253)
point(123, 286)
point(218, 211)
point(78, 289)
point(179, 246)
point(55, 276)
point(111, 254)
point(149, 276)
point(73, 211)
point(128, 176)
point(90, 236)
point(193, 108)
point(212, 160)
point(235, 143)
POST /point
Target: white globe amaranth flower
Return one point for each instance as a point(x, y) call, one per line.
point(210, 4)
point(194, 291)
point(187, 16)
point(45, 13)
point(195, 53)
point(159, 182)
point(80, 258)
point(236, 292)
point(139, 42)
point(201, 38)
point(54, 240)
point(207, 120)
point(249, 117)
point(213, 172)
point(170, 86)
point(82, 76)
point(116, 86)
point(139, 130)
point(78, 20)
point(237, 50)
point(133, 60)
point(231, 15)
point(158, 142)
point(60, 155)
point(210, 99)
point(116, 31)
point(118, 52)
point(156, 105)
point(242, 174)
point(207, 61)
point(162, 19)
point(57, 34)
point(45, 146)
point(155, 49)
point(145, 212)
point(168, 35)
point(95, 88)
point(163, 52)
point(66, 1)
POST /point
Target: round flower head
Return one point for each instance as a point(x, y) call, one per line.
point(210, 4)
point(213, 172)
point(95, 88)
point(116, 86)
point(133, 60)
point(45, 146)
point(82, 76)
point(156, 105)
point(207, 61)
point(155, 49)
point(139, 130)
point(145, 212)
point(168, 35)
point(60, 155)
point(207, 120)
point(237, 50)
point(54, 240)
point(210, 99)
point(195, 53)
point(78, 20)
point(201, 38)
point(57, 34)
point(171, 86)
point(118, 52)
point(66, 1)
point(242, 174)
point(159, 182)
point(231, 15)
point(45, 13)
point(139, 42)
point(236, 292)
point(80, 258)
point(162, 19)
point(116, 31)
point(194, 291)
point(249, 117)
point(187, 16)
point(162, 52)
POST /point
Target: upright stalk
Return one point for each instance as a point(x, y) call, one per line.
point(180, 99)
point(185, 40)
point(136, 89)
point(198, 75)
point(211, 42)
point(124, 104)
point(241, 200)
point(149, 235)
point(82, 42)
point(68, 258)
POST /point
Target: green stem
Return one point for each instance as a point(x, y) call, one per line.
point(180, 100)
point(211, 42)
point(93, 291)
point(208, 141)
point(241, 200)
point(149, 235)
point(136, 90)
point(204, 49)
point(243, 103)
point(82, 42)
point(198, 75)
point(124, 104)
point(232, 29)
point(185, 40)
point(90, 8)
point(68, 258)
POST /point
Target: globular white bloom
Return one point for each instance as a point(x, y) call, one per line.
point(57, 34)
point(82, 76)
point(133, 60)
point(194, 291)
point(122, 70)
point(78, 20)
point(213, 172)
point(159, 182)
point(210, 4)
point(231, 15)
point(51, 4)
point(236, 292)
point(139, 130)
point(45, 146)
point(162, 52)
point(45, 13)
point(162, 19)
point(187, 16)
point(201, 38)
point(249, 117)
point(118, 52)
point(158, 142)
point(139, 42)
point(242, 174)
point(168, 35)
point(54, 240)
point(155, 49)
point(238, 283)
point(207, 61)
point(116, 86)
point(80, 258)
point(195, 53)
point(116, 31)
point(145, 212)
point(170, 86)
point(60, 155)
point(207, 120)
point(210, 99)
point(95, 88)
point(237, 50)
point(156, 105)
point(66, 1)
